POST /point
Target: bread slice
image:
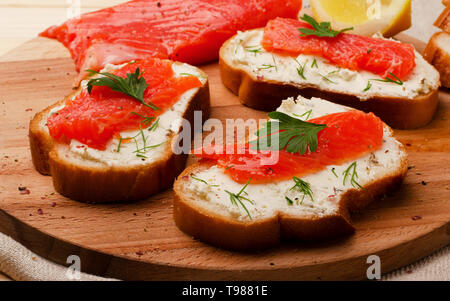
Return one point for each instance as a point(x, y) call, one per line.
point(437, 53)
point(204, 210)
point(89, 175)
point(249, 75)
point(443, 21)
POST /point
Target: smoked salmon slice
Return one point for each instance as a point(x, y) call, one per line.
point(348, 136)
point(96, 118)
point(376, 55)
point(189, 31)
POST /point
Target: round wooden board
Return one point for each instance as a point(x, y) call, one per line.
point(139, 241)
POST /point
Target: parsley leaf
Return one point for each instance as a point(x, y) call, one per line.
point(291, 133)
point(133, 85)
point(321, 30)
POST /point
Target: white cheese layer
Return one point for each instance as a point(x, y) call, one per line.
point(156, 140)
point(248, 54)
point(269, 199)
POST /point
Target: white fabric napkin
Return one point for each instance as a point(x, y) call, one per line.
point(21, 264)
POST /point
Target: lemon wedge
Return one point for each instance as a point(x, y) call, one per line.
point(367, 17)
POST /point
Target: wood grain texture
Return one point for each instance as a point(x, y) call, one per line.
point(140, 240)
point(3, 277)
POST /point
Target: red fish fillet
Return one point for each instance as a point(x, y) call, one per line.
point(346, 50)
point(95, 118)
point(190, 31)
point(348, 136)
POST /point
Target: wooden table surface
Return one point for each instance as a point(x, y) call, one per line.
point(4, 277)
point(21, 20)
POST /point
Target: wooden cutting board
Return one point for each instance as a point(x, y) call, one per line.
point(139, 241)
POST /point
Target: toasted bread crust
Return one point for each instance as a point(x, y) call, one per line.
point(399, 113)
point(443, 21)
point(40, 141)
point(231, 234)
point(439, 58)
point(109, 184)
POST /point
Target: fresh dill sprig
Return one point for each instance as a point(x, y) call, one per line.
point(351, 172)
point(301, 69)
point(190, 74)
point(120, 144)
point(303, 187)
point(390, 80)
point(154, 125)
point(133, 84)
point(333, 72)
point(289, 201)
point(369, 85)
point(253, 49)
point(140, 151)
point(146, 148)
point(269, 66)
point(236, 198)
point(307, 114)
point(333, 170)
point(147, 119)
point(266, 66)
point(327, 79)
point(314, 64)
point(239, 44)
point(203, 181)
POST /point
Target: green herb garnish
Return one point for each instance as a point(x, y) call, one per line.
point(333, 72)
point(369, 85)
point(190, 74)
point(133, 85)
point(140, 151)
point(144, 149)
point(314, 64)
point(119, 145)
point(236, 199)
point(236, 49)
point(154, 125)
point(327, 79)
point(254, 49)
point(291, 133)
point(321, 30)
point(301, 69)
point(289, 201)
point(147, 119)
point(390, 80)
point(265, 66)
point(303, 187)
point(307, 114)
point(334, 172)
point(351, 172)
point(269, 66)
point(203, 181)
